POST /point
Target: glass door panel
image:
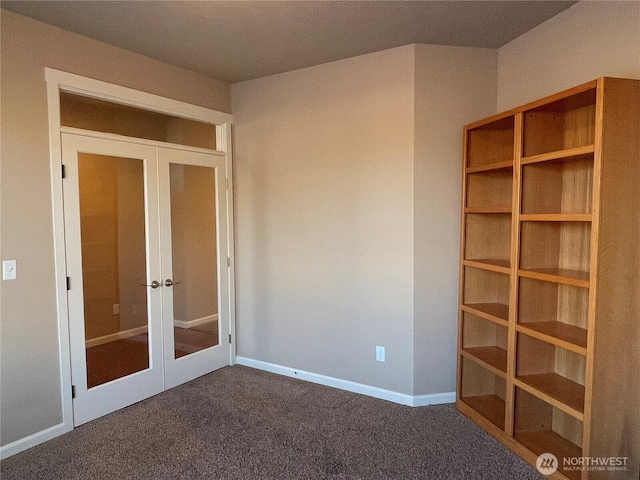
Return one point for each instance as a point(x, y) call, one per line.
point(112, 220)
point(194, 258)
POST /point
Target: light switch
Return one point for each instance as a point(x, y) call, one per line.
point(9, 270)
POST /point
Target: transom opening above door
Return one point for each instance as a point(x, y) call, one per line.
point(98, 115)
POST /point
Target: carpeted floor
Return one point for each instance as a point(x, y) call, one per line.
point(241, 423)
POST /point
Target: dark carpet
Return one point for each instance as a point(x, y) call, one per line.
point(241, 423)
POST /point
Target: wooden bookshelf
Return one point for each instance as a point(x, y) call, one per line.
point(548, 337)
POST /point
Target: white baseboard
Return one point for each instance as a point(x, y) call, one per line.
point(434, 399)
point(112, 337)
point(196, 321)
point(396, 397)
point(32, 440)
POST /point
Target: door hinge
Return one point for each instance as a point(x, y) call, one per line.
point(68, 283)
point(229, 338)
point(228, 261)
point(64, 173)
point(226, 183)
point(73, 391)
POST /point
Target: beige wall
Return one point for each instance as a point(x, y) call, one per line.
point(588, 40)
point(323, 193)
point(347, 197)
point(30, 390)
point(454, 86)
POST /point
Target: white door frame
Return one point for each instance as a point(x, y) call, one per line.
point(62, 81)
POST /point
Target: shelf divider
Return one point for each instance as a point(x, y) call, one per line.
point(555, 217)
point(491, 264)
point(565, 276)
point(495, 312)
point(490, 166)
point(556, 390)
point(560, 334)
point(491, 358)
point(569, 154)
point(506, 209)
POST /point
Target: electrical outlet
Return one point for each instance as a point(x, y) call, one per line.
point(134, 309)
point(116, 308)
point(379, 354)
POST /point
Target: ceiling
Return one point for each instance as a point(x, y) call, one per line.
point(241, 40)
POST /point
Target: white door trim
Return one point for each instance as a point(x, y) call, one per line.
point(90, 87)
point(139, 141)
point(57, 81)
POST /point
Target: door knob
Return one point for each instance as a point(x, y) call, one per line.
point(168, 282)
point(153, 284)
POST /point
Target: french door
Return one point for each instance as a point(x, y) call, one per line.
point(146, 248)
